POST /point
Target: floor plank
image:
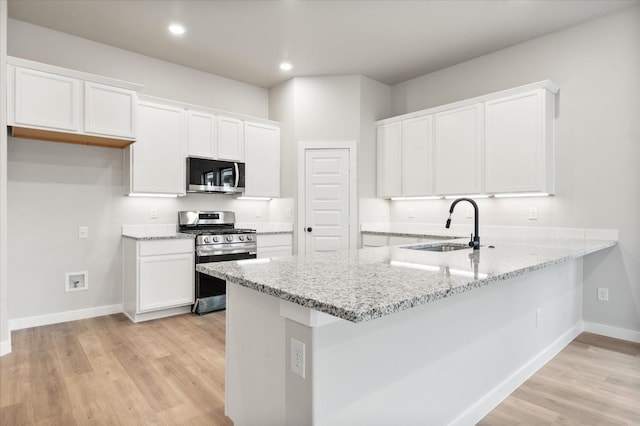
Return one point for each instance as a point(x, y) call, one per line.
point(595, 380)
point(110, 371)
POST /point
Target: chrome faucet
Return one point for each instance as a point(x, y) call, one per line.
point(475, 239)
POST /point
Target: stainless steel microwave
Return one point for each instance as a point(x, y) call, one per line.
point(206, 175)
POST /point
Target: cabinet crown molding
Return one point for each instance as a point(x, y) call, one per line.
point(544, 84)
point(53, 69)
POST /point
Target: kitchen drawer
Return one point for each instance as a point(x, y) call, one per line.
point(374, 240)
point(274, 240)
point(161, 247)
point(397, 240)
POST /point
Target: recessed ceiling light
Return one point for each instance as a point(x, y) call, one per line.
point(176, 29)
point(285, 66)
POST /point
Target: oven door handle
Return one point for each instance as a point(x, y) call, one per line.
point(214, 251)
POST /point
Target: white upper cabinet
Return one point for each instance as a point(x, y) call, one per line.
point(459, 151)
point(45, 100)
point(202, 134)
point(262, 158)
point(230, 139)
point(157, 160)
point(500, 143)
point(417, 156)
point(57, 104)
point(389, 157)
point(519, 140)
point(109, 111)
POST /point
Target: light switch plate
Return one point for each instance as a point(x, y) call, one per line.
point(83, 232)
point(533, 213)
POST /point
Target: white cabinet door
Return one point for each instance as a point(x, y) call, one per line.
point(202, 134)
point(158, 157)
point(262, 160)
point(389, 155)
point(165, 281)
point(46, 101)
point(230, 139)
point(519, 143)
point(109, 111)
point(417, 156)
point(459, 151)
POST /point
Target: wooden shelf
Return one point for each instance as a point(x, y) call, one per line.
point(74, 138)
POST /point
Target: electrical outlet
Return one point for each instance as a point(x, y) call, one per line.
point(83, 232)
point(297, 357)
point(287, 212)
point(412, 213)
point(533, 213)
point(259, 212)
point(154, 212)
point(469, 212)
point(603, 294)
point(538, 315)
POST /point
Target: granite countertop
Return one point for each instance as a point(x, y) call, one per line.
point(361, 285)
point(408, 234)
point(146, 237)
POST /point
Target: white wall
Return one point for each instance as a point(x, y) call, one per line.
point(327, 109)
point(160, 78)
point(375, 104)
point(53, 188)
point(597, 66)
point(5, 336)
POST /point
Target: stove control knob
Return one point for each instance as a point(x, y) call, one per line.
point(229, 238)
point(215, 239)
point(206, 239)
point(241, 237)
point(249, 237)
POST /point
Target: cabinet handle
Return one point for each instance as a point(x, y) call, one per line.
point(309, 229)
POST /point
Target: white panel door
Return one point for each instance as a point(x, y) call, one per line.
point(202, 133)
point(262, 159)
point(417, 156)
point(327, 206)
point(165, 281)
point(158, 155)
point(230, 139)
point(46, 100)
point(514, 143)
point(459, 151)
point(389, 159)
point(109, 111)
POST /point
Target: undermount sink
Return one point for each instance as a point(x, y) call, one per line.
point(443, 247)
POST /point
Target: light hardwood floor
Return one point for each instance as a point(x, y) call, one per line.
point(109, 371)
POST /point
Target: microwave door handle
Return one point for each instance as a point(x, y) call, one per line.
point(237, 174)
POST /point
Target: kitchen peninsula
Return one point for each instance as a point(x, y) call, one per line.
point(392, 335)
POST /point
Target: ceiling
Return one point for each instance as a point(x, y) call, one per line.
point(389, 41)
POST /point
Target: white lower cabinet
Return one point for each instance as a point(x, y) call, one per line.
point(158, 278)
point(273, 245)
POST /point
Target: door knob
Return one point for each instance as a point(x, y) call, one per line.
point(309, 229)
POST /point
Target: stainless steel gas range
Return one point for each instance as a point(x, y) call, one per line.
point(217, 240)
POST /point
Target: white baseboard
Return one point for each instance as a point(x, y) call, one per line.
point(482, 407)
point(5, 347)
point(615, 332)
point(28, 322)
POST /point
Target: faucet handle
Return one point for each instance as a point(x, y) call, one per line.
point(471, 240)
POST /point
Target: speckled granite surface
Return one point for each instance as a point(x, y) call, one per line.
point(175, 236)
point(407, 234)
point(361, 285)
